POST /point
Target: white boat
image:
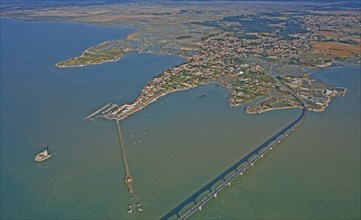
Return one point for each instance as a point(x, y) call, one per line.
point(139, 207)
point(130, 209)
point(42, 155)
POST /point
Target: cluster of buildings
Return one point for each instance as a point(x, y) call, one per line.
point(316, 23)
point(316, 94)
point(262, 45)
point(216, 62)
point(221, 58)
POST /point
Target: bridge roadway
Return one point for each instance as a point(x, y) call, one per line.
point(249, 160)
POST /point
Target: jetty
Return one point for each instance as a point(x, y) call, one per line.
point(106, 112)
point(93, 115)
point(129, 180)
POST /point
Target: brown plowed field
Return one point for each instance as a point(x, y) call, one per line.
point(337, 49)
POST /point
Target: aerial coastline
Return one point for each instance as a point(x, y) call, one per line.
point(237, 61)
point(234, 54)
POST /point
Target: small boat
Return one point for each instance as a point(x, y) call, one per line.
point(42, 155)
point(139, 207)
point(130, 209)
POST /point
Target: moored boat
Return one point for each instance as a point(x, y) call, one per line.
point(139, 207)
point(42, 155)
point(130, 209)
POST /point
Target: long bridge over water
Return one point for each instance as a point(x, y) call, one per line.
point(211, 190)
point(237, 169)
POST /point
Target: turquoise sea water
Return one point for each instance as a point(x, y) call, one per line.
point(174, 146)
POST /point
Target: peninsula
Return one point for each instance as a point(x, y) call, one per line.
point(220, 60)
point(244, 51)
point(108, 51)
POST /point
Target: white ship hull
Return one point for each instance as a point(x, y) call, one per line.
point(43, 155)
point(42, 158)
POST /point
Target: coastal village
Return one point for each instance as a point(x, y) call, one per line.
point(221, 60)
point(316, 94)
point(243, 64)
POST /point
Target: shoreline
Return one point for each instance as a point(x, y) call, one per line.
point(271, 109)
point(151, 101)
point(104, 52)
point(88, 64)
